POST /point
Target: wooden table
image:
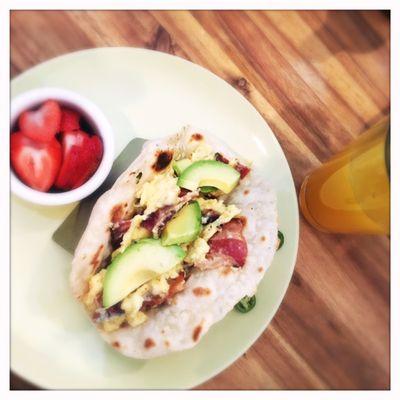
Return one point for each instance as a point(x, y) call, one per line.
point(319, 79)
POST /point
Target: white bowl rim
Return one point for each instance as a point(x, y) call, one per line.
point(103, 127)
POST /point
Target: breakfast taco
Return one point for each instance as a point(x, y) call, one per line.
point(183, 235)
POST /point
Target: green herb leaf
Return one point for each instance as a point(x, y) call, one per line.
point(246, 304)
point(281, 239)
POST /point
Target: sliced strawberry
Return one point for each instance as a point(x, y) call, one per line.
point(69, 120)
point(36, 164)
point(81, 157)
point(43, 123)
point(94, 154)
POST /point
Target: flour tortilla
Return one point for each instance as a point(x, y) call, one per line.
point(180, 325)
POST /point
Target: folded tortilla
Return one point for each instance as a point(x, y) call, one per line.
point(180, 325)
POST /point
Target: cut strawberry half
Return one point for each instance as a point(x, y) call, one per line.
point(41, 124)
point(82, 155)
point(69, 120)
point(36, 163)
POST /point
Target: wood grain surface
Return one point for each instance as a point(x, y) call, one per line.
point(319, 79)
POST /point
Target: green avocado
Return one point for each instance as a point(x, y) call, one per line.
point(139, 263)
point(184, 227)
point(180, 165)
point(209, 173)
point(208, 189)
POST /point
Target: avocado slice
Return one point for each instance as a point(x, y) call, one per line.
point(139, 263)
point(208, 189)
point(209, 173)
point(184, 227)
point(180, 165)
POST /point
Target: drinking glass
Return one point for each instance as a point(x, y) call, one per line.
point(351, 192)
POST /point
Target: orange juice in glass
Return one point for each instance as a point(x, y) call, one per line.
point(351, 192)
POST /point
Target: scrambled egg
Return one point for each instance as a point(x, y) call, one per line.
point(95, 288)
point(133, 302)
point(113, 323)
point(226, 214)
point(162, 190)
point(202, 152)
point(212, 228)
point(212, 204)
point(159, 286)
point(197, 251)
point(134, 233)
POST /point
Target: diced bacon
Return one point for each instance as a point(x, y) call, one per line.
point(221, 158)
point(163, 214)
point(186, 198)
point(208, 216)
point(231, 230)
point(242, 169)
point(118, 231)
point(227, 247)
point(183, 192)
point(102, 314)
point(232, 248)
point(152, 302)
point(176, 285)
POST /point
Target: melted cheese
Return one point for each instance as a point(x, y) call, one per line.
point(162, 190)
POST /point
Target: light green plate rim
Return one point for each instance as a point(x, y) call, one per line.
point(282, 267)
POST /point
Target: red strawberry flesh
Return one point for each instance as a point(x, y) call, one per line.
point(69, 120)
point(42, 124)
point(36, 164)
point(82, 155)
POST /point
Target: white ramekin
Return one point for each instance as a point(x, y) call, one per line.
point(96, 119)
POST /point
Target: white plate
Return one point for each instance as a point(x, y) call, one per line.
point(146, 94)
